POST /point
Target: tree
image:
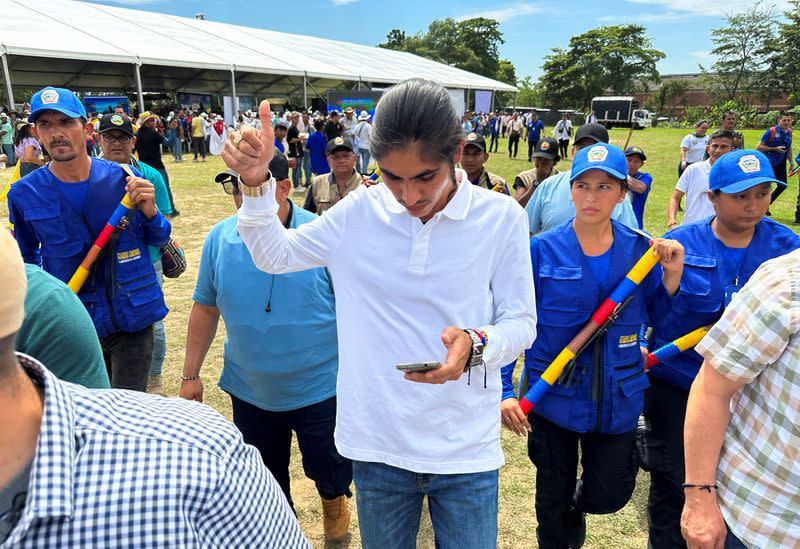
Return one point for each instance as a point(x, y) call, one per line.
point(617, 59)
point(529, 94)
point(471, 44)
point(784, 54)
point(742, 53)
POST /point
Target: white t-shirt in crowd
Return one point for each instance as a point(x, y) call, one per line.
point(398, 284)
point(362, 133)
point(562, 130)
point(694, 183)
point(695, 147)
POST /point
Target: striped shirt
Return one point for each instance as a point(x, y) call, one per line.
point(120, 469)
point(756, 342)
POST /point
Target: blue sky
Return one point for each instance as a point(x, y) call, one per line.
point(679, 28)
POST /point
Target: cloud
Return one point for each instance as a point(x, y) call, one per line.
point(663, 17)
point(343, 2)
point(504, 13)
point(710, 9)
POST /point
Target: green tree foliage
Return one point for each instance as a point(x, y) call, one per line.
point(784, 54)
point(742, 50)
point(471, 45)
point(616, 59)
point(530, 93)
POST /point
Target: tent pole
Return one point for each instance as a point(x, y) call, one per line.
point(305, 92)
point(515, 100)
point(139, 95)
point(234, 99)
point(7, 77)
point(493, 92)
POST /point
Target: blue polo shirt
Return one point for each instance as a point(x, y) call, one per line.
point(316, 145)
point(535, 130)
point(782, 138)
point(638, 199)
point(279, 360)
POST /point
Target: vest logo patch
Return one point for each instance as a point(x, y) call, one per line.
point(49, 97)
point(628, 341)
point(130, 255)
point(597, 154)
point(749, 163)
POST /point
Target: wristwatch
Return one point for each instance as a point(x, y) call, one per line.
point(475, 357)
point(261, 190)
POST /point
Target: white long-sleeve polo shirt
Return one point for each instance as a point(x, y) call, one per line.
point(398, 284)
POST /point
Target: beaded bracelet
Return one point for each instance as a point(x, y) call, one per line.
point(190, 378)
point(706, 487)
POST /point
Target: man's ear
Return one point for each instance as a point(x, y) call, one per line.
point(283, 189)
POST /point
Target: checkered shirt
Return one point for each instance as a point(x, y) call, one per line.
point(756, 342)
point(123, 469)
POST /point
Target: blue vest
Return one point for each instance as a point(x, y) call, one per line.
point(121, 293)
point(606, 392)
point(701, 298)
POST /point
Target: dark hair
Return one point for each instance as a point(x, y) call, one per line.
point(784, 113)
point(726, 114)
point(22, 133)
point(318, 124)
point(417, 111)
point(722, 134)
point(700, 123)
point(623, 183)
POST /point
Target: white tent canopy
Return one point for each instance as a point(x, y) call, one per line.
point(102, 48)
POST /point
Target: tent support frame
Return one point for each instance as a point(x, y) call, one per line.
point(7, 78)
point(234, 97)
point(139, 94)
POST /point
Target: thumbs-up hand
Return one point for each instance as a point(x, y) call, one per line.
point(249, 151)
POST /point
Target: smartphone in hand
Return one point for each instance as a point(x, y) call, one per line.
point(419, 366)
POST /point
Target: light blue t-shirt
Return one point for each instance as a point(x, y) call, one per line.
point(279, 360)
point(551, 205)
point(162, 199)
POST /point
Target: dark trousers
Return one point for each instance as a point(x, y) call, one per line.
point(199, 146)
point(665, 411)
point(271, 434)
point(495, 139)
point(780, 175)
point(563, 145)
point(513, 142)
point(531, 146)
point(128, 356)
point(606, 484)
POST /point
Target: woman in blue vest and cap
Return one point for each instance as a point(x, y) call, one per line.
point(722, 253)
point(597, 401)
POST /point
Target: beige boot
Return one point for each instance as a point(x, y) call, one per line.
point(336, 518)
point(154, 386)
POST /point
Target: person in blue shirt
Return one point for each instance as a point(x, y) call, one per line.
point(534, 129)
point(494, 131)
point(317, 147)
point(281, 128)
point(639, 182)
point(58, 212)
point(281, 353)
point(776, 144)
point(551, 206)
point(722, 253)
point(596, 403)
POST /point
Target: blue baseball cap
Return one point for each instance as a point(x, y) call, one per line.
point(600, 156)
point(56, 99)
point(739, 170)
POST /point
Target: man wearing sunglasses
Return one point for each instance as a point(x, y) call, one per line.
point(117, 142)
point(281, 352)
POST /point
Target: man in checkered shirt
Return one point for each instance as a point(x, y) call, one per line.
point(742, 430)
point(112, 468)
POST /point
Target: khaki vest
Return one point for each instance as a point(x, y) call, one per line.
point(489, 180)
point(326, 192)
point(529, 177)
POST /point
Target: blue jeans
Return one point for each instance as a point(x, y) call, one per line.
point(8, 149)
point(297, 173)
point(363, 160)
point(307, 167)
point(159, 334)
point(463, 507)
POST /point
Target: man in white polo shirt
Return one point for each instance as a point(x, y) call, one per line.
point(427, 268)
point(694, 183)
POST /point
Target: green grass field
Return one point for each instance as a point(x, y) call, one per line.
point(202, 204)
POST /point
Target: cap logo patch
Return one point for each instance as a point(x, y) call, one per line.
point(117, 120)
point(749, 163)
point(545, 145)
point(49, 97)
point(472, 137)
point(597, 154)
point(338, 141)
point(636, 150)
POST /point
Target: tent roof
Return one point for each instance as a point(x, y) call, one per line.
point(80, 31)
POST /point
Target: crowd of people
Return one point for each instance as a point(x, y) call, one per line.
point(356, 322)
